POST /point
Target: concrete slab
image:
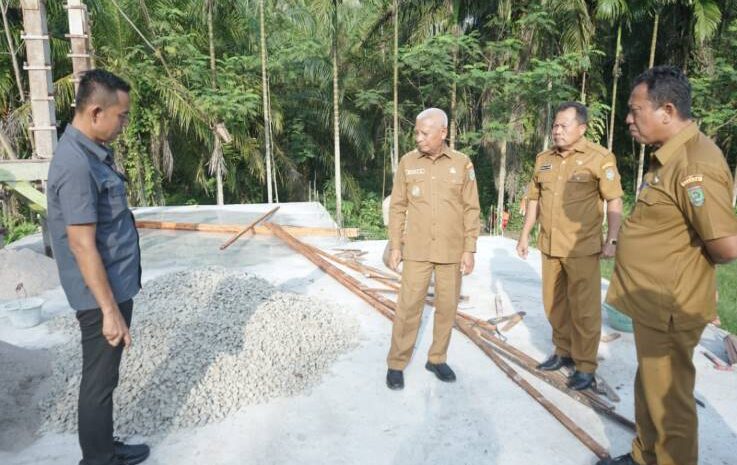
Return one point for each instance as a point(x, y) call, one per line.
point(352, 418)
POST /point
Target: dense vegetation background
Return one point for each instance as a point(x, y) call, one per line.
point(496, 66)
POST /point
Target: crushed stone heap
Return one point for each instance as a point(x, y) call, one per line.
point(206, 342)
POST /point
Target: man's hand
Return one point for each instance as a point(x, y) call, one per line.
point(523, 247)
point(608, 250)
point(395, 259)
point(114, 328)
point(467, 262)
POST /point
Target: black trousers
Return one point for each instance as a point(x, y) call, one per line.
point(100, 364)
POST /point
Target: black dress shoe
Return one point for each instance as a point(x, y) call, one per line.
point(394, 379)
point(555, 362)
point(580, 380)
point(442, 371)
point(625, 459)
point(130, 454)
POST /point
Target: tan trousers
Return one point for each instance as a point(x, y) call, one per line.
point(572, 301)
point(665, 409)
point(415, 281)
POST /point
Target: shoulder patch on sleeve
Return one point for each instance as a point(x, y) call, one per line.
point(696, 195)
point(692, 179)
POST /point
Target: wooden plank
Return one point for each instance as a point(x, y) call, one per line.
point(24, 170)
point(36, 199)
point(236, 228)
point(248, 228)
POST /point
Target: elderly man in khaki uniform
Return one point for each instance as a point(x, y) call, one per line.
point(433, 227)
point(567, 190)
point(664, 276)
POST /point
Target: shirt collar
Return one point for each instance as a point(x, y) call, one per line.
point(446, 151)
point(579, 146)
point(99, 150)
point(667, 150)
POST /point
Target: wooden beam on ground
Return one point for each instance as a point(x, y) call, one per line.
point(464, 323)
point(248, 228)
point(566, 421)
point(236, 228)
point(24, 170)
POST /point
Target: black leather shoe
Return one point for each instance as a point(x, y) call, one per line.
point(625, 459)
point(555, 362)
point(442, 371)
point(130, 454)
point(580, 380)
point(394, 379)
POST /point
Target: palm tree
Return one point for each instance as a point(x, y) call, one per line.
point(336, 119)
point(266, 105)
point(615, 11)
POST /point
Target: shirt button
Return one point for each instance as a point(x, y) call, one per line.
point(560, 177)
point(563, 162)
point(433, 177)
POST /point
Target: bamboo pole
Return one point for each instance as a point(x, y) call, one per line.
point(387, 308)
point(235, 228)
point(248, 228)
point(567, 422)
point(380, 303)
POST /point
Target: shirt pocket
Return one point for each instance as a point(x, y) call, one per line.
point(580, 183)
point(546, 180)
point(653, 207)
point(416, 189)
point(115, 201)
point(452, 186)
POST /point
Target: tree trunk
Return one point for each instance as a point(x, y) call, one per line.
point(453, 93)
point(641, 159)
point(336, 121)
point(395, 66)
point(548, 124)
point(267, 108)
point(615, 79)
point(11, 50)
point(217, 154)
point(502, 182)
point(582, 98)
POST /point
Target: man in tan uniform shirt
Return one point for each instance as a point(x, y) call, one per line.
point(433, 227)
point(664, 276)
point(567, 189)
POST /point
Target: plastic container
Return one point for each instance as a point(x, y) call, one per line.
point(617, 320)
point(23, 313)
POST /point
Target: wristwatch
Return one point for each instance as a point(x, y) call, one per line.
point(612, 241)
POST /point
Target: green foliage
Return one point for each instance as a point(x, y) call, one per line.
point(17, 228)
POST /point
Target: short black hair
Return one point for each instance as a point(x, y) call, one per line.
point(667, 84)
point(582, 113)
point(99, 84)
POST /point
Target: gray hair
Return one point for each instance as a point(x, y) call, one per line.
point(434, 112)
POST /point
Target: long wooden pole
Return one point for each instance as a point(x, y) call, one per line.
point(248, 228)
point(387, 308)
point(235, 228)
point(567, 422)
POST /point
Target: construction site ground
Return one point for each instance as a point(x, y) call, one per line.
point(351, 417)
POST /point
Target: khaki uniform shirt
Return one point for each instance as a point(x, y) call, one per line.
point(569, 187)
point(434, 213)
point(662, 271)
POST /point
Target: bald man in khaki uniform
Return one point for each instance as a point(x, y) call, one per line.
point(664, 277)
point(567, 189)
point(433, 227)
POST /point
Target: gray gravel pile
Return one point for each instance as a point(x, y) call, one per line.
point(205, 343)
point(35, 271)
